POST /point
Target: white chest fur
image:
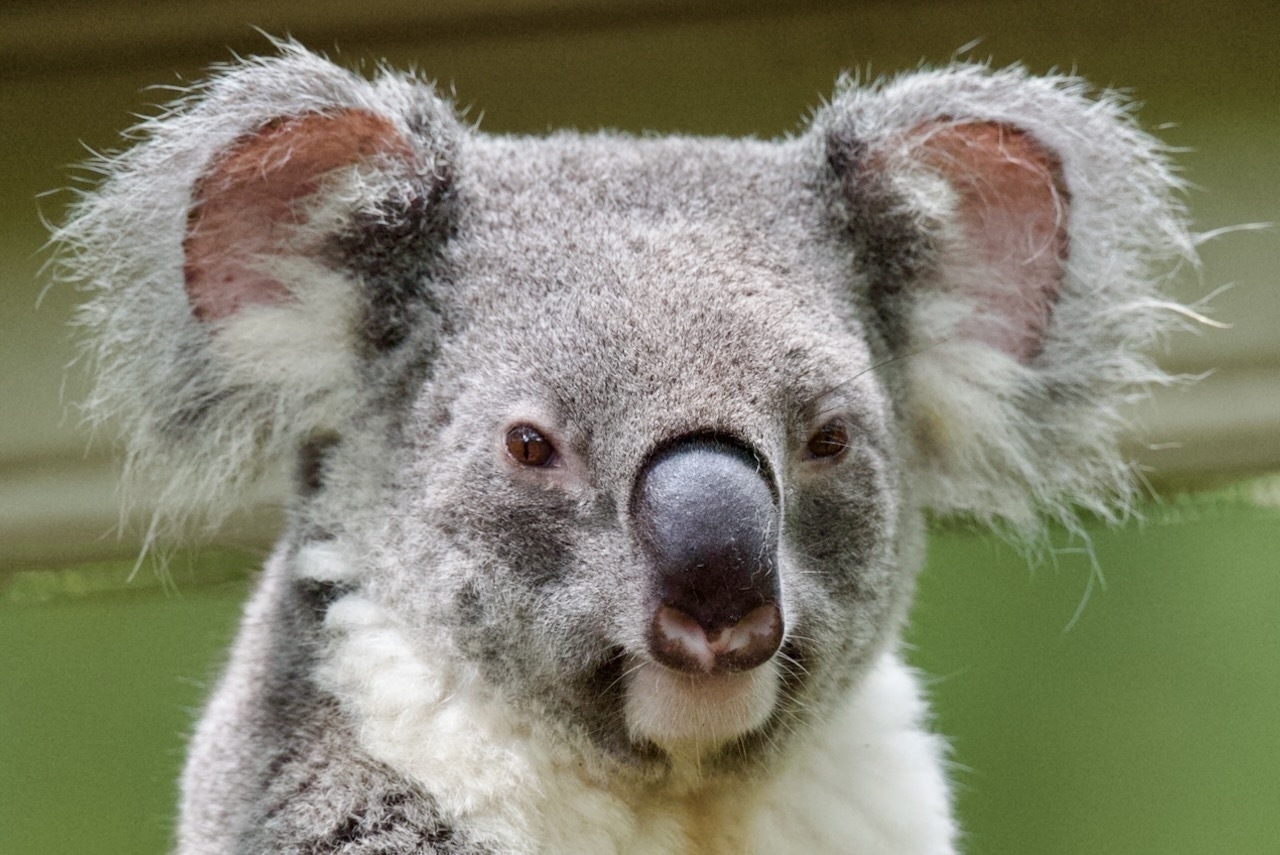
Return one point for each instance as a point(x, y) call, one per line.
point(869, 780)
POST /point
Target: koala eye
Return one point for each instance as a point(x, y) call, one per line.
point(528, 447)
point(829, 440)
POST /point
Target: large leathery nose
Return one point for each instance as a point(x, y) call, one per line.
point(706, 514)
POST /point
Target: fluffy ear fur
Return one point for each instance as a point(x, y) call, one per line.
point(233, 261)
point(1013, 232)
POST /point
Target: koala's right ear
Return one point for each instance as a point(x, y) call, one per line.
point(237, 261)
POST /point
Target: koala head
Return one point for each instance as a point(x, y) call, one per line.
point(640, 430)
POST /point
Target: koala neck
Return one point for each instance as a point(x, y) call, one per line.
point(517, 785)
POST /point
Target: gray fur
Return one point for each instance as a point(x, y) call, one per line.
point(617, 293)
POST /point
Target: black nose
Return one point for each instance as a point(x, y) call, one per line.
point(708, 519)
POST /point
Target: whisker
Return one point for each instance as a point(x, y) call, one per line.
point(808, 413)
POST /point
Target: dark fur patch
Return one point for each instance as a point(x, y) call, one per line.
point(356, 807)
point(401, 821)
point(397, 250)
point(311, 463)
point(599, 710)
point(468, 604)
point(317, 596)
point(892, 249)
point(530, 530)
point(838, 552)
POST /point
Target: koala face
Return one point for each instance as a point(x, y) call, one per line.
point(562, 562)
point(613, 453)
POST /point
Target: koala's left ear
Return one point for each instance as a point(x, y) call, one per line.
point(1011, 233)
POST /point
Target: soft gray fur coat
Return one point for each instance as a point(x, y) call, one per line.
point(612, 453)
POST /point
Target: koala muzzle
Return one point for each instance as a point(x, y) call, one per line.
point(708, 519)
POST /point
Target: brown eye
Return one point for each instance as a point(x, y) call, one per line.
point(830, 439)
point(528, 447)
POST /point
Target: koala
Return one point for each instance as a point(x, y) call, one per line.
point(612, 454)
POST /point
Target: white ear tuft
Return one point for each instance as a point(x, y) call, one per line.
point(226, 301)
point(1012, 231)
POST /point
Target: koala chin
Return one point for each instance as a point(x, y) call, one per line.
point(613, 453)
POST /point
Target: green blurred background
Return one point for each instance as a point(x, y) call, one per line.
point(1144, 721)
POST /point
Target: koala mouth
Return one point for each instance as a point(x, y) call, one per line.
point(677, 710)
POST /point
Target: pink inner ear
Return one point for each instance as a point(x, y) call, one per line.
point(255, 191)
point(1013, 212)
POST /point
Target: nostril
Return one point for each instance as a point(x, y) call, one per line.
point(751, 641)
point(681, 642)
